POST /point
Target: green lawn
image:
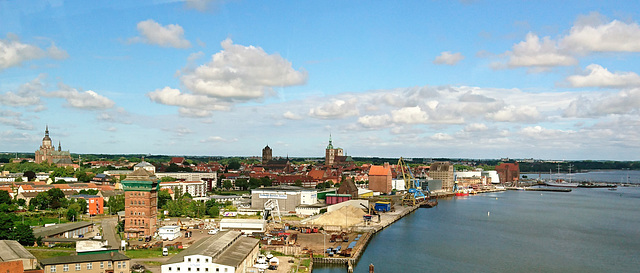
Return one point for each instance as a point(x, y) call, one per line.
point(148, 253)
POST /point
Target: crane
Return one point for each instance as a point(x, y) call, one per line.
point(271, 207)
point(414, 194)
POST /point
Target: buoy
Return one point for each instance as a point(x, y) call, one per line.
point(488, 213)
point(496, 198)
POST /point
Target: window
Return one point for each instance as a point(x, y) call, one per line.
point(198, 269)
point(169, 268)
point(101, 265)
point(109, 263)
point(198, 260)
point(189, 269)
point(206, 269)
point(65, 268)
point(89, 266)
point(124, 264)
point(77, 267)
point(53, 269)
point(189, 260)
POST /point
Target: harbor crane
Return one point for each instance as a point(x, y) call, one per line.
point(414, 194)
point(271, 208)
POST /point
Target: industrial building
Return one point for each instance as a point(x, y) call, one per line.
point(226, 251)
point(169, 232)
point(90, 263)
point(380, 178)
point(15, 258)
point(68, 230)
point(288, 197)
point(140, 198)
point(442, 171)
point(246, 226)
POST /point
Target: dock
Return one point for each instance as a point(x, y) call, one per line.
point(548, 189)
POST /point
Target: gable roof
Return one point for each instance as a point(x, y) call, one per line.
point(379, 170)
point(11, 250)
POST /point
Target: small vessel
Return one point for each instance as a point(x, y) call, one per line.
point(561, 183)
point(461, 192)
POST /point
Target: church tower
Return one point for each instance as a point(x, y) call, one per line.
point(266, 155)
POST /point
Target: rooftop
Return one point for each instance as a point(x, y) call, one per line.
point(226, 248)
point(59, 228)
point(12, 250)
point(112, 256)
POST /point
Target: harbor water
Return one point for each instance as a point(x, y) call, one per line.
point(586, 230)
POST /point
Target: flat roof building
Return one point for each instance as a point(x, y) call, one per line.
point(226, 251)
point(288, 197)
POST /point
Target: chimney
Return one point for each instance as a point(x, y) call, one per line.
point(386, 165)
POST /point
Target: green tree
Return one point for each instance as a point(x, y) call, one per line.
point(23, 234)
point(41, 201)
point(167, 179)
point(163, 197)
point(227, 184)
point(254, 183)
point(298, 183)
point(234, 164)
point(18, 179)
point(266, 181)
point(116, 203)
point(213, 211)
point(6, 223)
point(89, 192)
point(82, 203)
point(56, 198)
point(242, 183)
point(5, 198)
point(72, 213)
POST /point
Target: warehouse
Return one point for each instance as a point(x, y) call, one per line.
point(288, 197)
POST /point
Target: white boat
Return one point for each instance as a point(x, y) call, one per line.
point(561, 183)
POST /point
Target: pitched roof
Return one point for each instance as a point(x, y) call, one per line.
point(12, 250)
point(60, 228)
point(112, 256)
point(379, 170)
point(226, 248)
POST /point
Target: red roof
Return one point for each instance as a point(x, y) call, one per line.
point(177, 160)
point(379, 170)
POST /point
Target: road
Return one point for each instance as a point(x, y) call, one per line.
point(109, 232)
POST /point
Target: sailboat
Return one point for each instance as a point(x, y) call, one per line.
point(560, 182)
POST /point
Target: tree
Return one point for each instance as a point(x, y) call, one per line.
point(163, 197)
point(242, 183)
point(254, 183)
point(116, 203)
point(23, 234)
point(56, 198)
point(83, 205)
point(89, 192)
point(298, 183)
point(234, 164)
point(214, 211)
point(5, 198)
point(227, 184)
point(6, 223)
point(72, 213)
point(31, 175)
point(167, 179)
point(266, 181)
point(41, 201)
point(18, 179)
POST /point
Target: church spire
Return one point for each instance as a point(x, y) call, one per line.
point(59, 147)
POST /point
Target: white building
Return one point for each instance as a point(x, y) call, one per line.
point(492, 175)
point(246, 226)
point(225, 252)
point(398, 184)
point(288, 197)
point(169, 232)
point(194, 188)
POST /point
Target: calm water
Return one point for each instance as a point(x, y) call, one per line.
point(586, 230)
point(611, 176)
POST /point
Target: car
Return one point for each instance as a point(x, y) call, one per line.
point(212, 231)
point(165, 251)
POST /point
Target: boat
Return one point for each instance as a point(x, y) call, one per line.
point(561, 183)
point(461, 192)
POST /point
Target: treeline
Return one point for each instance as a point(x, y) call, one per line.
point(577, 166)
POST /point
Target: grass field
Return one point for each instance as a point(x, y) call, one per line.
point(148, 253)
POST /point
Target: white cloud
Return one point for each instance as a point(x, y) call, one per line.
point(242, 73)
point(535, 53)
point(375, 121)
point(623, 102)
point(448, 58)
point(191, 105)
point(476, 127)
point(217, 139)
point(409, 115)
point(118, 115)
point(28, 94)
point(523, 113)
point(335, 109)
point(14, 53)
point(14, 119)
point(166, 36)
point(83, 100)
point(541, 133)
point(591, 34)
point(598, 76)
point(202, 5)
point(291, 115)
point(13, 137)
point(441, 137)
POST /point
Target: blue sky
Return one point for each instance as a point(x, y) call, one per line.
point(471, 79)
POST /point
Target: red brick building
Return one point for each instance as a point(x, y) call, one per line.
point(508, 172)
point(380, 178)
point(140, 200)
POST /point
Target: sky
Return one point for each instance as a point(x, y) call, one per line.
point(460, 79)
